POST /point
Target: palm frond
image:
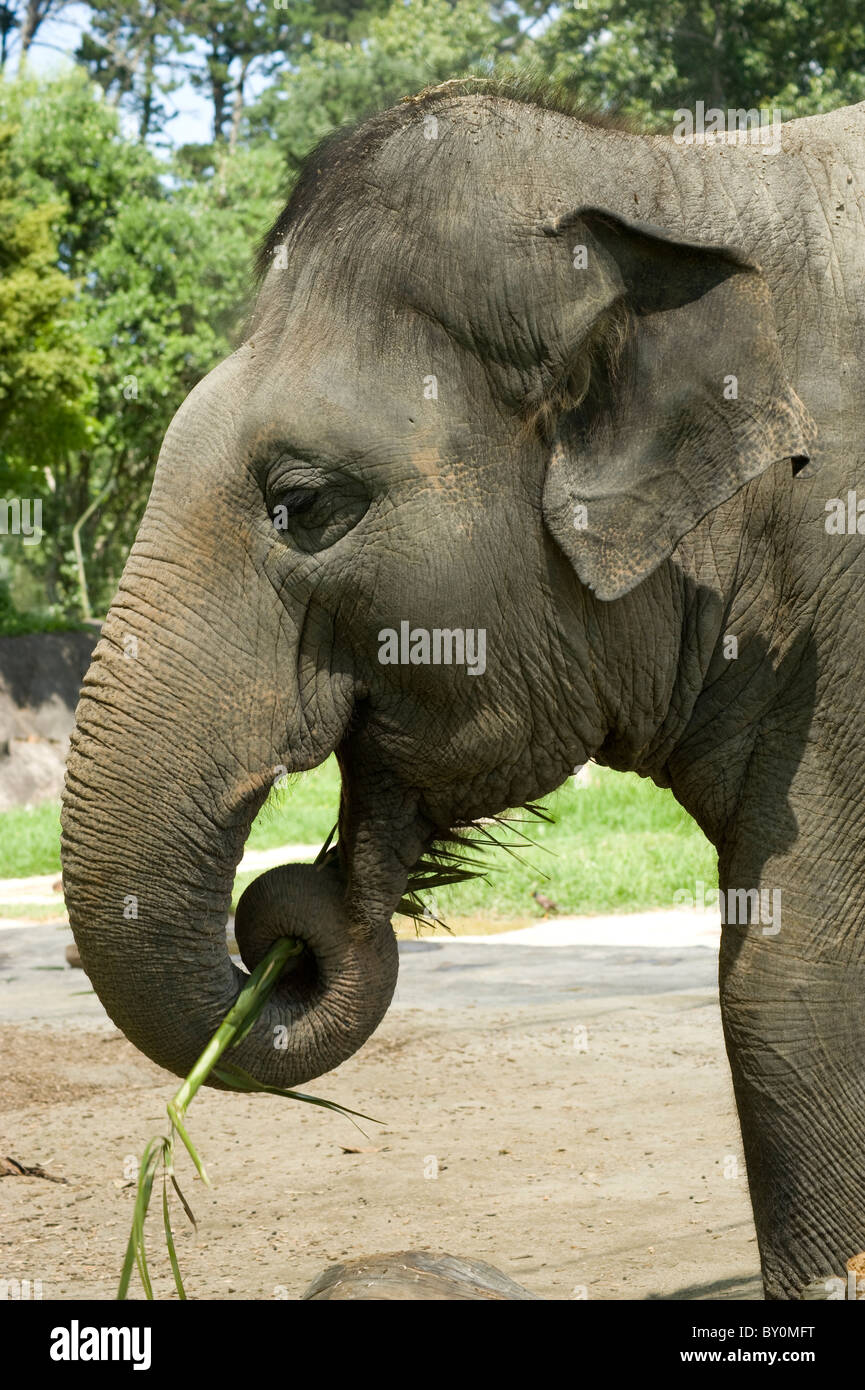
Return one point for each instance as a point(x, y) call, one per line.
point(454, 858)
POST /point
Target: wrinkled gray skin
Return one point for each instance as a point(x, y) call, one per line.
point(258, 647)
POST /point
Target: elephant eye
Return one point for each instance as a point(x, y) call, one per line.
point(314, 518)
point(293, 503)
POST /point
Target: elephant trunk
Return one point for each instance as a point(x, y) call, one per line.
point(153, 830)
point(332, 996)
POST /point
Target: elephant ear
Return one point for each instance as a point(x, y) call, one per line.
point(691, 403)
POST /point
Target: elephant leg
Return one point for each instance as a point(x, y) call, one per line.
point(793, 1005)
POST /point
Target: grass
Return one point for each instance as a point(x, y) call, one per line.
point(159, 1153)
point(14, 623)
point(620, 844)
point(30, 840)
point(303, 814)
point(35, 912)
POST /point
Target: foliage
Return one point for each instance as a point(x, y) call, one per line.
point(648, 58)
point(14, 623)
point(46, 365)
point(162, 264)
point(407, 48)
point(134, 49)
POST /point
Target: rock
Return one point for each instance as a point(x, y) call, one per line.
point(73, 958)
point(416, 1276)
point(40, 676)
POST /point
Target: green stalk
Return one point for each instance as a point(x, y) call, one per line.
point(236, 1023)
point(234, 1026)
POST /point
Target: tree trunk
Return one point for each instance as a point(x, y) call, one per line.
point(34, 16)
point(237, 108)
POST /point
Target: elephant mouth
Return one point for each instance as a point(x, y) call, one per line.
point(461, 853)
point(301, 984)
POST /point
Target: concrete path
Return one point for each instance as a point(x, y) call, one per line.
point(38, 890)
point(441, 974)
point(661, 929)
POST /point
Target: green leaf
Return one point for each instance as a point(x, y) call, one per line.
point(169, 1239)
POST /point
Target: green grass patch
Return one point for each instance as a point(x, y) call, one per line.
point(30, 840)
point(620, 844)
point(34, 912)
point(301, 814)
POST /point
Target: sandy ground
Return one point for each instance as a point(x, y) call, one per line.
point(563, 1111)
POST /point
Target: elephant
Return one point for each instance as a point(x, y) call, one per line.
point(517, 370)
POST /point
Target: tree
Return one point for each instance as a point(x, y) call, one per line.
point(162, 255)
point(404, 49)
point(46, 364)
point(650, 58)
point(136, 49)
point(238, 37)
point(169, 291)
point(27, 17)
point(132, 50)
point(73, 161)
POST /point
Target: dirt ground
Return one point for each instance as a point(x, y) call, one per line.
point(588, 1148)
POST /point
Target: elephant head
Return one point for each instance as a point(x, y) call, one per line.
point(471, 416)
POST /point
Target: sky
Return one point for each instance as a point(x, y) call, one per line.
point(58, 39)
point(191, 121)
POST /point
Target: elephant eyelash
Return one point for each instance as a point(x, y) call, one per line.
point(296, 501)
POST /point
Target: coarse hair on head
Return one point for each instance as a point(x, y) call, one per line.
point(331, 176)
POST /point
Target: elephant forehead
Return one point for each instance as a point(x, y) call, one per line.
point(323, 408)
point(331, 398)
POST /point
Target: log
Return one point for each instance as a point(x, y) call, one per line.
point(416, 1276)
point(856, 1285)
